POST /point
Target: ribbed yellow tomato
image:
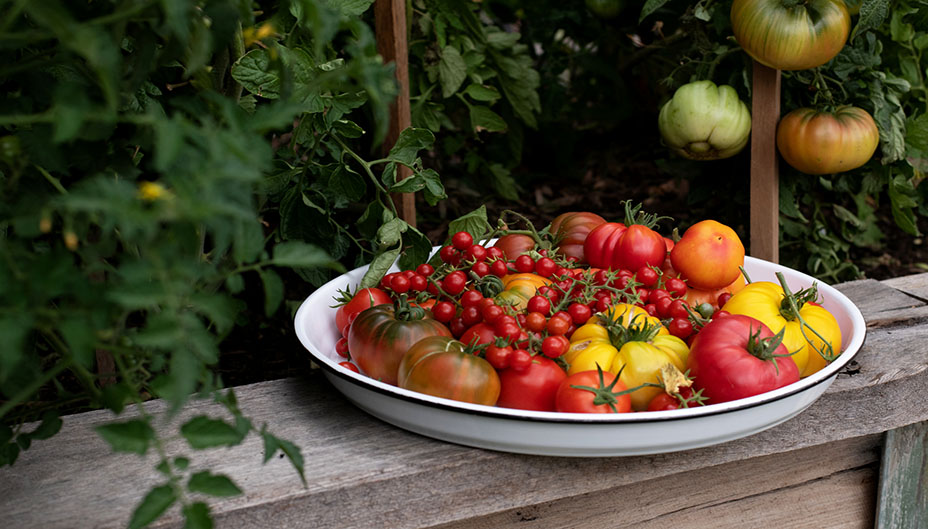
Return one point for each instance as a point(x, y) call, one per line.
point(763, 300)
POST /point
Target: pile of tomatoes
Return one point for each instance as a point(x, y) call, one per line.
point(593, 316)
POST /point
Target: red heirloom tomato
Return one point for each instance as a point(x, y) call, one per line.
point(570, 231)
point(514, 245)
point(790, 35)
point(593, 391)
point(818, 142)
point(363, 299)
point(443, 367)
point(737, 357)
point(617, 246)
point(533, 388)
point(708, 256)
point(381, 335)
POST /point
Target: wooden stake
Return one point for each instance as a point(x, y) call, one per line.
point(765, 177)
point(390, 28)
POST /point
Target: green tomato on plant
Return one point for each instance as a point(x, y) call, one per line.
point(703, 121)
point(605, 8)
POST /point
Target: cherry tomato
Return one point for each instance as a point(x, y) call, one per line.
point(453, 283)
point(425, 269)
point(471, 315)
point(554, 346)
point(540, 304)
point(680, 327)
point(443, 311)
point(545, 267)
point(471, 298)
point(647, 276)
point(678, 309)
point(499, 268)
point(498, 357)
point(481, 269)
point(476, 252)
point(341, 347)
point(676, 287)
point(524, 264)
point(491, 312)
point(349, 366)
point(520, 360)
point(558, 325)
point(535, 321)
point(723, 298)
point(462, 240)
point(362, 299)
point(579, 313)
point(418, 283)
point(400, 284)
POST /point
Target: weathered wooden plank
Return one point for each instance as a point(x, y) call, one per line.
point(836, 485)
point(915, 285)
point(903, 492)
point(390, 29)
point(765, 178)
point(365, 473)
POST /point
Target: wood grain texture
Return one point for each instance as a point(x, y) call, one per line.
point(903, 492)
point(765, 179)
point(390, 29)
point(363, 473)
point(835, 482)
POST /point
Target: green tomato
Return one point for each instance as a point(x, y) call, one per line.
point(605, 8)
point(703, 121)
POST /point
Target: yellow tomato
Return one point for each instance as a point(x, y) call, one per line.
point(519, 288)
point(641, 363)
point(634, 316)
point(763, 300)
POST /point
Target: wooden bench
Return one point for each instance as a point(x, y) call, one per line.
point(820, 469)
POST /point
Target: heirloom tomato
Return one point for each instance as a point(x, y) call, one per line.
point(819, 142)
point(767, 302)
point(789, 35)
point(630, 342)
point(443, 367)
point(616, 246)
point(362, 299)
point(703, 121)
point(519, 288)
point(570, 230)
point(380, 336)
point(594, 391)
point(708, 256)
point(514, 245)
point(532, 388)
point(736, 357)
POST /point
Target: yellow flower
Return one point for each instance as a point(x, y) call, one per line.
point(151, 191)
point(252, 35)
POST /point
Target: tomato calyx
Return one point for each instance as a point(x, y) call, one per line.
point(635, 331)
point(634, 215)
point(796, 301)
point(764, 348)
point(406, 311)
point(603, 393)
point(679, 385)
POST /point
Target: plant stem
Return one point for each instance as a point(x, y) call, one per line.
point(35, 386)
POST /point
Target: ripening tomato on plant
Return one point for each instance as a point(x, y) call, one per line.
point(736, 357)
point(380, 336)
point(703, 121)
point(791, 35)
point(820, 142)
point(709, 255)
point(444, 367)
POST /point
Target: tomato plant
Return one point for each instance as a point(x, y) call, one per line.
point(790, 35)
point(737, 357)
point(444, 367)
point(820, 142)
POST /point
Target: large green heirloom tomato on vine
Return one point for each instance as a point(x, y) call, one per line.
point(380, 336)
point(705, 122)
point(819, 142)
point(791, 34)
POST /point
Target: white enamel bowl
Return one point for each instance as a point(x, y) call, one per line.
point(569, 434)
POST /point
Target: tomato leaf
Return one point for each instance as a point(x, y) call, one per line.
point(916, 142)
point(273, 443)
point(888, 113)
point(417, 248)
point(273, 291)
point(132, 436)
point(904, 198)
point(155, 503)
point(256, 74)
point(649, 7)
point(213, 484)
point(203, 432)
point(484, 93)
point(197, 516)
point(452, 71)
point(872, 15)
point(482, 118)
point(300, 254)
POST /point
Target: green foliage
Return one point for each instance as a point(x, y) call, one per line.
point(162, 163)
